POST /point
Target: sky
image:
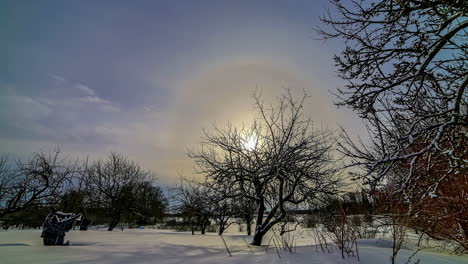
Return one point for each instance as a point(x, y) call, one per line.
point(144, 77)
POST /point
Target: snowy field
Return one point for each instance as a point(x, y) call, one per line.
point(162, 246)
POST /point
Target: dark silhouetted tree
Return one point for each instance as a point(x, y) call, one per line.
point(38, 181)
point(114, 185)
point(279, 162)
point(192, 201)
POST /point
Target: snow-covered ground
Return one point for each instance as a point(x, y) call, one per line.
point(162, 246)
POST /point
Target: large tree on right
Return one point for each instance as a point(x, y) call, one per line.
point(405, 64)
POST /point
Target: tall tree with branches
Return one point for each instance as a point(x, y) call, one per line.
point(405, 64)
point(280, 161)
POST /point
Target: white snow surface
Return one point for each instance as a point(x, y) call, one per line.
point(165, 246)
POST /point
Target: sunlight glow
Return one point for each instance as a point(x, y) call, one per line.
point(250, 143)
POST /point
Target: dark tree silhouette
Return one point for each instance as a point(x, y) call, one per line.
point(222, 212)
point(39, 181)
point(244, 211)
point(280, 162)
point(114, 185)
point(150, 204)
point(194, 204)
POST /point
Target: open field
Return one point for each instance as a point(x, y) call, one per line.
point(162, 246)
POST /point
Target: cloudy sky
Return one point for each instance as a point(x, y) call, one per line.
point(143, 77)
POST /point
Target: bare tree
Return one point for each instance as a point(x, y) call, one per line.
point(114, 184)
point(279, 162)
point(4, 176)
point(223, 213)
point(193, 203)
point(244, 210)
point(405, 63)
point(150, 204)
point(41, 180)
point(406, 67)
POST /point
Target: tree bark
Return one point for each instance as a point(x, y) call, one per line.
point(248, 222)
point(258, 236)
point(113, 223)
point(192, 226)
point(257, 239)
point(221, 229)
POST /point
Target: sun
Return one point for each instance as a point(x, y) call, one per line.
point(250, 143)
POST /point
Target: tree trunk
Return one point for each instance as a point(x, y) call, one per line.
point(192, 227)
point(202, 227)
point(113, 223)
point(248, 222)
point(257, 239)
point(205, 222)
point(258, 236)
point(221, 229)
point(223, 224)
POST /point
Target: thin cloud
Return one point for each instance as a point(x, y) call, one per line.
point(104, 104)
point(90, 97)
point(94, 100)
point(110, 108)
point(85, 89)
point(57, 78)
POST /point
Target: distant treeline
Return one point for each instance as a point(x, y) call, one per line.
point(108, 192)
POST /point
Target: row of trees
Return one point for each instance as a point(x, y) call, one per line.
point(107, 191)
point(199, 206)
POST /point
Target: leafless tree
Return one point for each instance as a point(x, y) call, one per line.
point(279, 162)
point(114, 184)
point(41, 180)
point(405, 63)
point(4, 176)
point(223, 213)
point(193, 203)
point(223, 209)
point(150, 203)
point(244, 211)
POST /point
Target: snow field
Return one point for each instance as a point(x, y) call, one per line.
point(165, 246)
